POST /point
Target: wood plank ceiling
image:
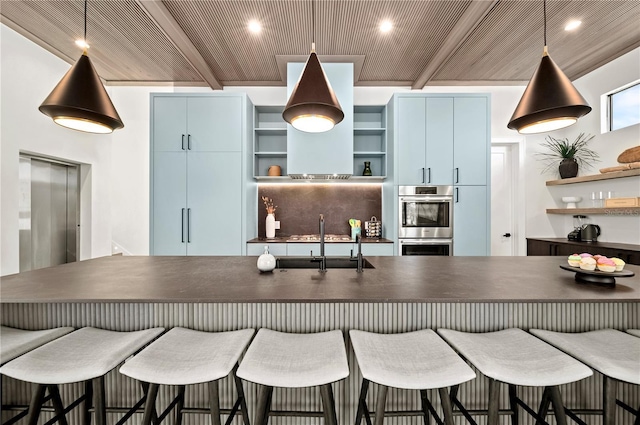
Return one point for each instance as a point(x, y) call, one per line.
point(206, 42)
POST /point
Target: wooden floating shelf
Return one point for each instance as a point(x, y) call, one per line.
point(605, 211)
point(596, 177)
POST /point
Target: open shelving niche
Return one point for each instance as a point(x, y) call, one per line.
point(621, 211)
point(369, 142)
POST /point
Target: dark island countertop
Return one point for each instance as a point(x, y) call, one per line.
point(592, 247)
point(236, 279)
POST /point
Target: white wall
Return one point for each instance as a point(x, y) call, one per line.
point(29, 73)
point(615, 228)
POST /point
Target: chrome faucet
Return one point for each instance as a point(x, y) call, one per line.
point(322, 260)
point(358, 258)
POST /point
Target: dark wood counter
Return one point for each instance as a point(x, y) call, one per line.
point(236, 279)
point(629, 253)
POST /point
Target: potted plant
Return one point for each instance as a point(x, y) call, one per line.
point(568, 156)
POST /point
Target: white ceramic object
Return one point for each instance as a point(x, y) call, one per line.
point(571, 201)
point(270, 226)
point(266, 262)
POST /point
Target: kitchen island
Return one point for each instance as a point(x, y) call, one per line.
point(400, 294)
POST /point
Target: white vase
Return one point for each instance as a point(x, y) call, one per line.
point(270, 226)
point(266, 262)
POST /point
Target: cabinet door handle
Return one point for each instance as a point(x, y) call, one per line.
point(423, 175)
point(457, 196)
point(188, 225)
point(457, 176)
point(183, 142)
point(189, 142)
point(182, 227)
point(429, 174)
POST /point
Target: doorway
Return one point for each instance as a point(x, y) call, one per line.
point(505, 204)
point(48, 212)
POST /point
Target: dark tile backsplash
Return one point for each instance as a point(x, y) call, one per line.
point(299, 206)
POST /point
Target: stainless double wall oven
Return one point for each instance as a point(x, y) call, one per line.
point(425, 224)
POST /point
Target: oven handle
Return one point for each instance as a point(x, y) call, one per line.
point(427, 198)
point(426, 242)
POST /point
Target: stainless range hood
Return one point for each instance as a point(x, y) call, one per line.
point(329, 155)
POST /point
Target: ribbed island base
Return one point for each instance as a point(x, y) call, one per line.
point(28, 301)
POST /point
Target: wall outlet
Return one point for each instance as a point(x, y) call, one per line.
point(277, 224)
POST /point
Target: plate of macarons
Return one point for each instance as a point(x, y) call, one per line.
point(596, 268)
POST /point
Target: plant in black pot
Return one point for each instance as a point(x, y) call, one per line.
point(568, 156)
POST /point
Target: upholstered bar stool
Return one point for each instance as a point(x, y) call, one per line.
point(514, 357)
point(16, 342)
point(615, 354)
point(634, 332)
point(418, 360)
point(183, 357)
point(278, 359)
point(85, 355)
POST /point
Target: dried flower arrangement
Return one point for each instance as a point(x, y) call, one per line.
point(268, 203)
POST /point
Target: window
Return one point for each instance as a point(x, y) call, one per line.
point(624, 107)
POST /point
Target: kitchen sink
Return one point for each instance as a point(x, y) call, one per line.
point(306, 263)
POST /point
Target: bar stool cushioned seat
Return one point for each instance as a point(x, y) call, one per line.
point(517, 358)
point(85, 355)
point(634, 332)
point(418, 360)
point(615, 354)
point(15, 342)
point(278, 359)
point(183, 357)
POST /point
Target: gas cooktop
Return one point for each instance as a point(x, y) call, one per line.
point(316, 238)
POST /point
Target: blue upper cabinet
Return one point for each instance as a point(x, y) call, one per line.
point(330, 152)
point(441, 139)
point(471, 140)
point(410, 139)
point(169, 123)
point(197, 123)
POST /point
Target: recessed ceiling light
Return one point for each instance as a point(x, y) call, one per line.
point(82, 44)
point(254, 26)
point(386, 26)
point(571, 25)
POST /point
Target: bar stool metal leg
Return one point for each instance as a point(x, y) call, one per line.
point(609, 396)
point(446, 406)
point(57, 404)
point(87, 402)
point(214, 402)
point(241, 396)
point(381, 400)
point(424, 399)
point(150, 404)
point(362, 401)
point(264, 405)
point(180, 404)
point(558, 407)
point(36, 404)
point(99, 401)
point(513, 404)
point(328, 404)
point(494, 401)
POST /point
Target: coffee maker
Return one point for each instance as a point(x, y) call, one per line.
point(578, 224)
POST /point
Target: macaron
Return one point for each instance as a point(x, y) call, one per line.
point(586, 254)
point(588, 263)
point(605, 264)
point(619, 263)
point(597, 256)
point(574, 260)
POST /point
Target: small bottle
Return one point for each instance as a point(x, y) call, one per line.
point(367, 169)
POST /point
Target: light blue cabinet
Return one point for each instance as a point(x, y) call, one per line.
point(471, 145)
point(470, 221)
point(197, 174)
point(275, 249)
point(442, 139)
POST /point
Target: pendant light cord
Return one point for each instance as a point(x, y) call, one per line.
point(544, 12)
point(313, 25)
point(85, 21)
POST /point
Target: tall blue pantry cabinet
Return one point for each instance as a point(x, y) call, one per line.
point(198, 144)
point(444, 139)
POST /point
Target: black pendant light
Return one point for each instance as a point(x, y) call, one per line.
point(550, 101)
point(80, 101)
point(313, 106)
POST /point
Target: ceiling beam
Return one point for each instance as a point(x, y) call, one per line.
point(168, 25)
point(475, 13)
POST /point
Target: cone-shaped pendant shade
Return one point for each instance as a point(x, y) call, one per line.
point(80, 101)
point(313, 106)
point(549, 102)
